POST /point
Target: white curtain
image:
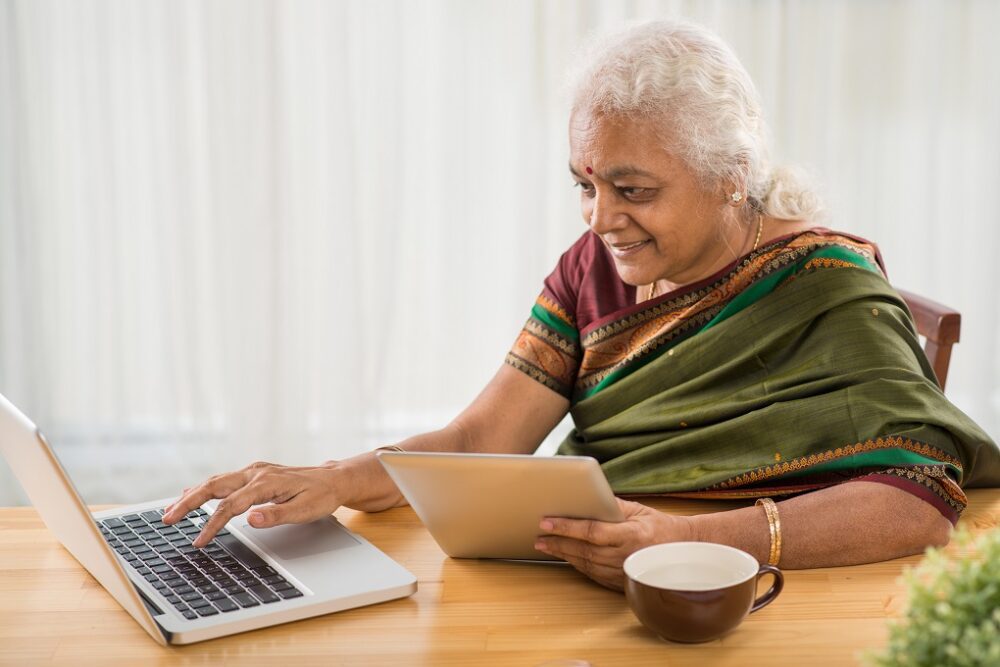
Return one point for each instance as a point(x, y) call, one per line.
point(294, 231)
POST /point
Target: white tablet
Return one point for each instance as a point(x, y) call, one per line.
point(490, 505)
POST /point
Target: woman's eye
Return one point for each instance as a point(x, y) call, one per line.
point(586, 188)
point(635, 193)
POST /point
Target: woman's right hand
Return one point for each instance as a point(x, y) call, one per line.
point(296, 494)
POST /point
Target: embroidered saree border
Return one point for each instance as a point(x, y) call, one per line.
point(930, 483)
point(840, 455)
point(929, 472)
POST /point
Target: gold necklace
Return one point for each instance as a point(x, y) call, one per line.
point(760, 228)
point(756, 242)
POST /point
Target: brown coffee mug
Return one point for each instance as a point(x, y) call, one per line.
point(695, 591)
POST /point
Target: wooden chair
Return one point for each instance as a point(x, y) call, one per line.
point(940, 325)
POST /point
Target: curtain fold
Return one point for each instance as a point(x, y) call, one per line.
point(233, 231)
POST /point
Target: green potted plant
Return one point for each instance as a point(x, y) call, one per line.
point(953, 616)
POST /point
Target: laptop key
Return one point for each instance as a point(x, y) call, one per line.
point(113, 523)
point(183, 589)
point(191, 597)
point(207, 611)
point(199, 603)
point(246, 600)
point(225, 604)
point(151, 577)
point(240, 551)
point(275, 579)
point(234, 589)
point(152, 515)
point(290, 593)
point(264, 593)
point(215, 595)
point(190, 615)
point(281, 586)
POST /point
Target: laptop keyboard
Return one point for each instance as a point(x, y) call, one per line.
point(223, 576)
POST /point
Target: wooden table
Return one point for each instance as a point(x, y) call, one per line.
point(464, 613)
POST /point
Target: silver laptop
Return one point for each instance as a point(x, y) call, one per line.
point(245, 579)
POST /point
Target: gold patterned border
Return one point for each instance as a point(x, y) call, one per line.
point(537, 374)
point(552, 338)
point(804, 462)
point(936, 480)
point(546, 357)
point(556, 309)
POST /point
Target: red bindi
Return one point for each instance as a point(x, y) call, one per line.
point(589, 170)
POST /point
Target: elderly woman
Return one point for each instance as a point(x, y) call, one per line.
point(709, 340)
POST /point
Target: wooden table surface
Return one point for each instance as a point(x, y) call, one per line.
point(465, 612)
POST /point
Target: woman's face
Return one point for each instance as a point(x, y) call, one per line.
point(654, 215)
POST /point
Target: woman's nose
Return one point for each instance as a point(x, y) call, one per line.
point(605, 215)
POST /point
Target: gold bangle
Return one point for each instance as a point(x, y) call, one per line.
point(391, 448)
point(774, 526)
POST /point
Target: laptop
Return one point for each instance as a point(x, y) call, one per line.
point(490, 505)
point(243, 580)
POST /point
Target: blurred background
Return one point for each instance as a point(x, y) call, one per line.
point(294, 231)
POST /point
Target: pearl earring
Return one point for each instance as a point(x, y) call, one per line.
point(737, 197)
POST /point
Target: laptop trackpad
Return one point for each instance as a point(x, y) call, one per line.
point(301, 540)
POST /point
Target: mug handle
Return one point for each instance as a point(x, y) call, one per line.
point(772, 592)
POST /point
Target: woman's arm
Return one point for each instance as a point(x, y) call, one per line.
point(854, 522)
point(513, 414)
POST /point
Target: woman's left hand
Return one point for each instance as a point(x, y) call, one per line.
point(599, 548)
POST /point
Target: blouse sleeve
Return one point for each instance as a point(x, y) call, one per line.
point(548, 347)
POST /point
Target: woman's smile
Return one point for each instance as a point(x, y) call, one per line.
point(621, 250)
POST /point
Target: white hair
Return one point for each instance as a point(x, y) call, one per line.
point(684, 77)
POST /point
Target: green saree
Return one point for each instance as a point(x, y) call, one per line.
point(794, 369)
